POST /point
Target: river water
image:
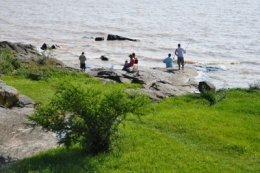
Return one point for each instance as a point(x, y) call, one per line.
point(221, 37)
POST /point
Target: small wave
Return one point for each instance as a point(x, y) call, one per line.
point(213, 62)
point(250, 62)
point(152, 49)
point(87, 37)
point(190, 62)
point(208, 68)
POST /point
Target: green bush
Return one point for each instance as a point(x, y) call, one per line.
point(6, 67)
point(210, 96)
point(8, 62)
point(213, 97)
point(88, 116)
point(6, 53)
point(16, 63)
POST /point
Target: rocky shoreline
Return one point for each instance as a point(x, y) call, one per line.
point(18, 142)
point(158, 83)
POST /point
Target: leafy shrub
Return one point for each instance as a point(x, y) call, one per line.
point(254, 86)
point(27, 69)
point(213, 97)
point(8, 62)
point(6, 67)
point(6, 53)
point(210, 96)
point(44, 58)
point(16, 63)
point(88, 116)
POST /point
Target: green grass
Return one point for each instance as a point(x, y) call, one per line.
point(40, 91)
point(182, 134)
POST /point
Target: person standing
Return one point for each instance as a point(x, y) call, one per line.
point(179, 53)
point(82, 60)
point(168, 61)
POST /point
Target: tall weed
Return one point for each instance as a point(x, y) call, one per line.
point(213, 97)
point(254, 86)
point(8, 63)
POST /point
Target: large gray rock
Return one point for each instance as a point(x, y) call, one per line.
point(9, 96)
point(205, 85)
point(25, 102)
point(112, 37)
point(24, 52)
point(158, 83)
point(16, 140)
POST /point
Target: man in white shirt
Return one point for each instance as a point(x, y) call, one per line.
point(179, 53)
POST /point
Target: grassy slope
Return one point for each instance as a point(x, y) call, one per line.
point(182, 134)
point(40, 90)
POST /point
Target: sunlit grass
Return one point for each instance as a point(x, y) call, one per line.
point(181, 134)
point(40, 91)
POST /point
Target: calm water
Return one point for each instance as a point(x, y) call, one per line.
point(218, 33)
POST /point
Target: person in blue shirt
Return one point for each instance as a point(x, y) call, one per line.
point(168, 61)
point(179, 53)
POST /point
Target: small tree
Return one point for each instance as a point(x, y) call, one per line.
point(88, 116)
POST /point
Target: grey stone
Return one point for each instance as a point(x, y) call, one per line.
point(205, 85)
point(25, 101)
point(158, 83)
point(24, 52)
point(9, 96)
point(18, 141)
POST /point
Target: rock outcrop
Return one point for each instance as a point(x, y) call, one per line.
point(18, 141)
point(8, 95)
point(45, 46)
point(111, 37)
point(24, 52)
point(99, 38)
point(158, 83)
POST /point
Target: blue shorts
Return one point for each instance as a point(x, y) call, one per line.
point(82, 65)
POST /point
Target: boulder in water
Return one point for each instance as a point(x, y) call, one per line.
point(55, 46)
point(44, 46)
point(111, 37)
point(99, 38)
point(104, 57)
